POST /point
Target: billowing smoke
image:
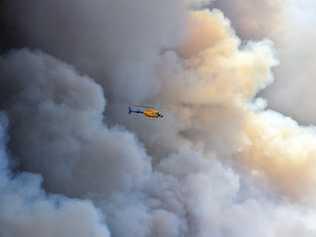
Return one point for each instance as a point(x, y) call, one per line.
point(66, 139)
point(289, 23)
point(28, 211)
point(74, 163)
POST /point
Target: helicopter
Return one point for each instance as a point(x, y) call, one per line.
point(147, 111)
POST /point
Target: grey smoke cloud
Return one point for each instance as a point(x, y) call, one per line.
point(56, 119)
point(26, 210)
point(219, 164)
point(112, 41)
point(254, 19)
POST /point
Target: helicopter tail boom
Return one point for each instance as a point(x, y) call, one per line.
point(130, 111)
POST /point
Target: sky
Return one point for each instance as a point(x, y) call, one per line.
point(233, 156)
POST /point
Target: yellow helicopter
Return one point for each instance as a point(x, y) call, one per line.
point(147, 111)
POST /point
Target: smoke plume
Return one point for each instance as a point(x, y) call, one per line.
point(74, 163)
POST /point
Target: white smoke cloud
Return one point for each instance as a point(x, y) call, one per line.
point(289, 24)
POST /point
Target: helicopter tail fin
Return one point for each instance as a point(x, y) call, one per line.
point(129, 110)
